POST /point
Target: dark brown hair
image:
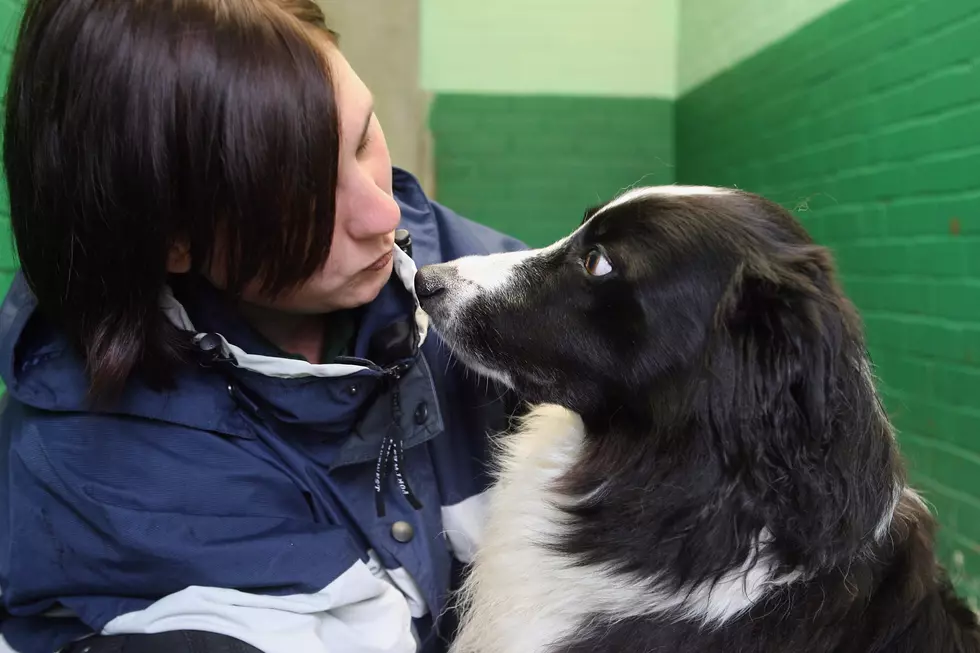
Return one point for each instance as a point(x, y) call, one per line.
point(132, 126)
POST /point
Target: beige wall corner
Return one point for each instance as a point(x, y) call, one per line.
point(380, 38)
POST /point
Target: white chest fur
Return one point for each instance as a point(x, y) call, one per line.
point(522, 597)
point(517, 596)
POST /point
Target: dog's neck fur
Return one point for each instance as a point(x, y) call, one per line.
point(525, 594)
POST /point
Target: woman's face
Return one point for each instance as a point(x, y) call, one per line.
point(360, 260)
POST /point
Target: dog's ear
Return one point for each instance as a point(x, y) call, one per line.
point(793, 408)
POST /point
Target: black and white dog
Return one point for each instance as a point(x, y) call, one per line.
point(707, 466)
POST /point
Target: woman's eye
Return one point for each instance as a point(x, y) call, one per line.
point(362, 148)
point(597, 264)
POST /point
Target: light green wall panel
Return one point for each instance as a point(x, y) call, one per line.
point(562, 47)
point(717, 34)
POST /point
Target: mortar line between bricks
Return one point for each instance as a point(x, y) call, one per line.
point(942, 362)
point(925, 277)
point(952, 449)
point(952, 493)
point(925, 484)
point(965, 542)
point(889, 241)
point(946, 154)
point(911, 277)
point(945, 195)
point(952, 111)
point(912, 239)
point(900, 395)
point(822, 147)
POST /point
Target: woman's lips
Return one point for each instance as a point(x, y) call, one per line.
point(381, 263)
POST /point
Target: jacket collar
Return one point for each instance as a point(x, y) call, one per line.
point(247, 352)
point(42, 371)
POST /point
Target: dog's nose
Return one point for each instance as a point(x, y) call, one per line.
point(429, 282)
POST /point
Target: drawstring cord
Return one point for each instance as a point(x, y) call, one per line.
point(392, 451)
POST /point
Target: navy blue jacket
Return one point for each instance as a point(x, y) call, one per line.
point(244, 502)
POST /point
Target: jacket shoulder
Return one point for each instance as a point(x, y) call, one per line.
point(140, 464)
point(440, 234)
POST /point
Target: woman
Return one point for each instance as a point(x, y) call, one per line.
point(227, 425)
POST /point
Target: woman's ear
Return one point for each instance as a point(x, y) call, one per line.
point(179, 257)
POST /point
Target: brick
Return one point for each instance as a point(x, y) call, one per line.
point(960, 426)
point(959, 300)
point(918, 378)
point(901, 144)
point(948, 133)
point(968, 522)
point(881, 330)
point(961, 172)
point(958, 385)
point(933, 216)
point(917, 454)
point(944, 258)
point(960, 467)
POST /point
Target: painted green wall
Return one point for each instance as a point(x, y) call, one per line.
point(866, 121)
point(529, 165)
point(543, 108)
point(10, 12)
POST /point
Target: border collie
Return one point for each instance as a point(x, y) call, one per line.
point(706, 465)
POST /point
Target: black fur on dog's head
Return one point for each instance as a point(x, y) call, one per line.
point(719, 368)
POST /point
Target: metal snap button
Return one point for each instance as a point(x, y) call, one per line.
point(402, 531)
point(421, 413)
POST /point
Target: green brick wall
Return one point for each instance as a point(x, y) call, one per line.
point(867, 123)
point(10, 12)
point(529, 165)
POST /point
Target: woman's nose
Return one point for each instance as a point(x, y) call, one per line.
point(377, 215)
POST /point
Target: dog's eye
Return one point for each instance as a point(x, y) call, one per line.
point(597, 264)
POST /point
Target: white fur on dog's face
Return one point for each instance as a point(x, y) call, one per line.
point(652, 191)
point(473, 279)
point(468, 278)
